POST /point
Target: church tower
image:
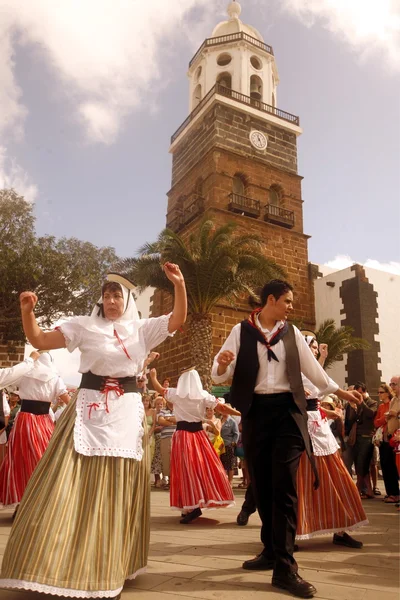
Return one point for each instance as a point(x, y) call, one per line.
point(235, 158)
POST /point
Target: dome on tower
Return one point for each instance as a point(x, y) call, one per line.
point(234, 24)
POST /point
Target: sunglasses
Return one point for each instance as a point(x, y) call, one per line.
point(382, 392)
point(393, 384)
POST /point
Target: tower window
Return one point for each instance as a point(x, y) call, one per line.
point(198, 188)
point(256, 62)
point(224, 59)
point(239, 184)
point(256, 87)
point(196, 95)
point(225, 79)
point(274, 195)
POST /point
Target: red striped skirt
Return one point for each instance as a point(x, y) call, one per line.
point(28, 440)
point(335, 506)
point(198, 479)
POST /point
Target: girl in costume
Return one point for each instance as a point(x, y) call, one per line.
point(33, 428)
point(198, 479)
point(83, 524)
point(336, 505)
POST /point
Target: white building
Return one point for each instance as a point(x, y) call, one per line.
point(367, 300)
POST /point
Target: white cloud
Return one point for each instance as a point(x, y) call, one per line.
point(12, 175)
point(368, 26)
point(342, 261)
point(104, 52)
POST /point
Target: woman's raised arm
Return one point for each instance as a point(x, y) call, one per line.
point(179, 311)
point(42, 340)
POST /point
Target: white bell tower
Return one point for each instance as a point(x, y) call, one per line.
point(235, 58)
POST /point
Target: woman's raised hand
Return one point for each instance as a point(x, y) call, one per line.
point(173, 273)
point(28, 301)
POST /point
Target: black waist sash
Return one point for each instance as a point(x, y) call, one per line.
point(312, 404)
point(186, 426)
point(35, 407)
point(90, 381)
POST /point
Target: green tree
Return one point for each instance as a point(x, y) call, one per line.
point(218, 263)
point(340, 341)
point(66, 274)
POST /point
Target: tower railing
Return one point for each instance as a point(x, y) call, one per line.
point(232, 37)
point(238, 97)
point(244, 205)
point(279, 216)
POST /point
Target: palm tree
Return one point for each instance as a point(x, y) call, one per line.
point(218, 263)
point(340, 341)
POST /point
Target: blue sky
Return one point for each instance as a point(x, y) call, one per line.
point(92, 91)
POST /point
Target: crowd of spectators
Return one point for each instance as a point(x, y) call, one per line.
point(369, 438)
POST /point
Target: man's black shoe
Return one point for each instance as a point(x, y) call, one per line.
point(293, 583)
point(259, 563)
point(189, 517)
point(242, 518)
point(346, 540)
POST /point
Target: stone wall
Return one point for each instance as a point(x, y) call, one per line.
point(11, 353)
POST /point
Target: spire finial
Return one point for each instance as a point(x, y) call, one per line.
point(234, 10)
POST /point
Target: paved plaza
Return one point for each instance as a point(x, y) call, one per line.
point(203, 560)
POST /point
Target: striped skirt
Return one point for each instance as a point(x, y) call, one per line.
point(83, 524)
point(28, 440)
point(335, 506)
point(198, 479)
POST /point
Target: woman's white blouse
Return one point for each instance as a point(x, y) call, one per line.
point(188, 409)
point(45, 391)
point(111, 425)
point(103, 355)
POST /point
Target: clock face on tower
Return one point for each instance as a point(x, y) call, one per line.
point(258, 139)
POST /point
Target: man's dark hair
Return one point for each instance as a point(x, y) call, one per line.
point(276, 287)
point(360, 384)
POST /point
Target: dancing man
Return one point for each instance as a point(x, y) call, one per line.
point(265, 356)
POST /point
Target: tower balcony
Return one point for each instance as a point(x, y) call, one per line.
point(279, 216)
point(244, 206)
point(180, 217)
point(232, 37)
point(221, 90)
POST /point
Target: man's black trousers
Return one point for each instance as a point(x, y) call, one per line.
point(273, 447)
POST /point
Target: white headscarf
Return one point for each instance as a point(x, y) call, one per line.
point(43, 369)
point(189, 386)
point(309, 339)
point(128, 322)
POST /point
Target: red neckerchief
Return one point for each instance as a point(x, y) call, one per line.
point(276, 337)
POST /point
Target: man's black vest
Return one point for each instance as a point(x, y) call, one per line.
point(245, 377)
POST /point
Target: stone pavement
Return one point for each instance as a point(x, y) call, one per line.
point(203, 560)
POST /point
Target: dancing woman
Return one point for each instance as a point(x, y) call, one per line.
point(336, 505)
point(198, 479)
point(33, 428)
point(83, 524)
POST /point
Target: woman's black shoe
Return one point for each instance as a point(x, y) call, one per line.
point(293, 583)
point(346, 540)
point(242, 518)
point(259, 563)
point(189, 517)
